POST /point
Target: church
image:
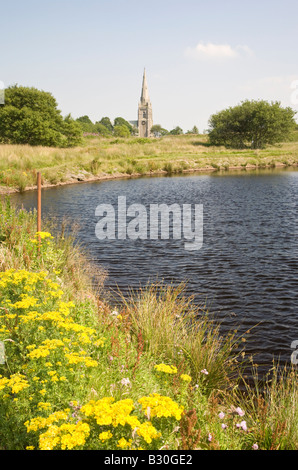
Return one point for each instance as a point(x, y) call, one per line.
point(145, 120)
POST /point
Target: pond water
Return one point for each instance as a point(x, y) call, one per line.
point(246, 269)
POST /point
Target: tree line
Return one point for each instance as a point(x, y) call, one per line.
point(30, 116)
point(122, 128)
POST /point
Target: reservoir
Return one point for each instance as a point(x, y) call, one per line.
point(245, 272)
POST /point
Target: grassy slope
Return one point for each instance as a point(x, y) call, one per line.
point(102, 158)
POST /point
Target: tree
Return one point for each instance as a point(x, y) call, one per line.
point(72, 132)
point(24, 126)
point(157, 130)
point(30, 116)
point(251, 124)
point(105, 121)
point(100, 129)
point(85, 123)
point(176, 131)
point(119, 121)
point(121, 131)
point(194, 130)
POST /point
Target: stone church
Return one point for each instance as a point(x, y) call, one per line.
point(145, 120)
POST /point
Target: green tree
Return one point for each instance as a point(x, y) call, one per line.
point(24, 126)
point(105, 121)
point(176, 131)
point(121, 131)
point(72, 132)
point(30, 116)
point(251, 124)
point(85, 123)
point(101, 129)
point(157, 129)
point(119, 121)
point(194, 130)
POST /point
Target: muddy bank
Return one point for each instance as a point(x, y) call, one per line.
point(85, 177)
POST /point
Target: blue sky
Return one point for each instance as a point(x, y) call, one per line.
point(200, 56)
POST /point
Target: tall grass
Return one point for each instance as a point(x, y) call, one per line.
point(174, 330)
point(272, 404)
point(99, 157)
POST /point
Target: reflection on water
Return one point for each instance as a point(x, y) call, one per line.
point(247, 267)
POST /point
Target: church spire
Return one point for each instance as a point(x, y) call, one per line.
point(144, 95)
point(145, 121)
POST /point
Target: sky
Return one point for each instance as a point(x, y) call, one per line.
point(200, 56)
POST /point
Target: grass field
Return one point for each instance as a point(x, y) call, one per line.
point(100, 158)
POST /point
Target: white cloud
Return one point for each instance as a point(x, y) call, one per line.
point(217, 51)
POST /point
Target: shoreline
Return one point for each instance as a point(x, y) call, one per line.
point(77, 180)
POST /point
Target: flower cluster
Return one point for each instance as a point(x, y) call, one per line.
point(105, 419)
point(47, 349)
point(63, 436)
point(165, 368)
point(161, 406)
point(106, 412)
point(16, 383)
point(185, 377)
point(50, 354)
point(66, 437)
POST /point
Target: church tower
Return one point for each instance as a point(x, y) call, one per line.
point(145, 121)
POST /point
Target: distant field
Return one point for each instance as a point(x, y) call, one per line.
point(113, 157)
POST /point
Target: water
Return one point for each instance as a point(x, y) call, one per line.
point(246, 270)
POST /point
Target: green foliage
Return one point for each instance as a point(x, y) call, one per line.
point(105, 121)
point(85, 123)
point(119, 121)
point(194, 130)
point(157, 130)
point(30, 116)
point(72, 132)
point(176, 131)
point(121, 131)
point(251, 124)
point(101, 129)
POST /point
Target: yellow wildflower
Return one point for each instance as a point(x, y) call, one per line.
point(44, 405)
point(105, 435)
point(166, 368)
point(123, 443)
point(43, 235)
point(185, 377)
point(148, 432)
point(161, 406)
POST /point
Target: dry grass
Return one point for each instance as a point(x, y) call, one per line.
point(108, 157)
